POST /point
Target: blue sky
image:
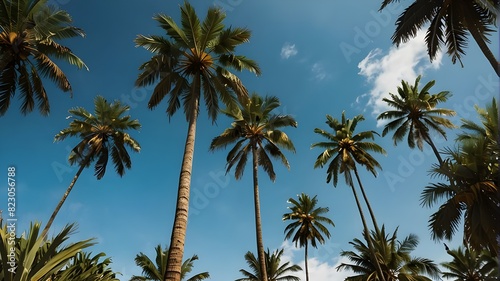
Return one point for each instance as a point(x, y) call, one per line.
point(318, 57)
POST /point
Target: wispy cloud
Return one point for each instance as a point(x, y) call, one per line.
point(319, 71)
point(318, 270)
point(288, 50)
point(384, 71)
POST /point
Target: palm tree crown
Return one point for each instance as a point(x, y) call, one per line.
point(198, 56)
point(470, 265)
point(346, 149)
point(102, 135)
point(448, 24)
point(29, 31)
point(276, 271)
point(394, 257)
point(308, 223)
point(415, 113)
point(255, 126)
point(155, 271)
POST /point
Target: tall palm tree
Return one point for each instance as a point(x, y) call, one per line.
point(155, 271)
point(196, 58)
point(276, 271)
point(449, 25)
point(343, 150)
point(394, 257)
point(29, 31)
point(470, 265)
point(37, 258)
point(308, 224)
point(256, 131)
point(102, 134)
point(414, 112)
point(471, 191)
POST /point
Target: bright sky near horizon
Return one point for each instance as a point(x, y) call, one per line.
point(318, 59)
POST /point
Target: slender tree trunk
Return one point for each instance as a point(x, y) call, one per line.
point(486, 51)
point(434, 149)
point(258, 223)
point(366, 201)
point(65, 195)
point(368, 236)
point(305, 262)
point(178, 238)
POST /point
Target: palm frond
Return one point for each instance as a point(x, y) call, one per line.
point(8, 79)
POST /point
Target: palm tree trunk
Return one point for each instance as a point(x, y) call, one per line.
point(258, 223)
point(486, 51)
point(305, 262)
point(366, 201)
point(178, 238)
point(368, 236)
point(434, 149)
point(65, 195)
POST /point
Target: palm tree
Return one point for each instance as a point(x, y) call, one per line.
point(37, 257)
point(275, 269)
point(471, 191)
point(256, 130)
point(415, 113)
point(197, 58)
point(85, 267)
point(307, 224)
point(29, 31)
point(449, 24)
point(102, 135)
point(345, 149)
point(487, 131)
point(155, 271)
point(394, 257)
point(470, 265)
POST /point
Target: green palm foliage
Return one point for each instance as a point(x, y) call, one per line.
point(102, 135)
point(487, 130)
point(470, 265)
point(308, 224)
point(415, 114)
point(156, 270)
point(276, 271)
point(36, 258)
point(449, 23)
point(29, 31)
point(87, 268)
point(394, 257)
point(471, 190)
point(256, 131)
point(343, 150)
point(196, 59)
point(256, 127)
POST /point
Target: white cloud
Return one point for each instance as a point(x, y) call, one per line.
point(288, 50)
point(318, 270)
point(385, 71)
point(318, 71)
